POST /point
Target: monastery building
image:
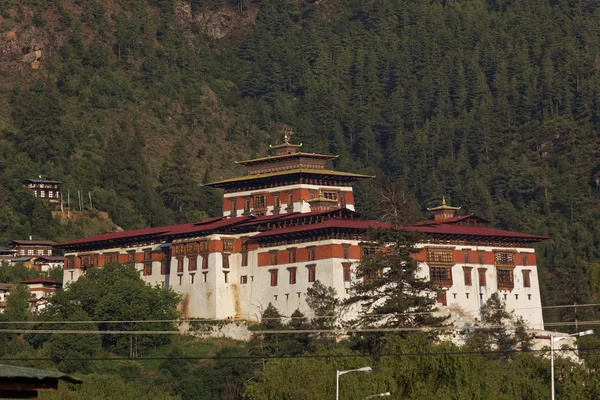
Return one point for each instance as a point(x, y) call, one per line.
point(290, 222)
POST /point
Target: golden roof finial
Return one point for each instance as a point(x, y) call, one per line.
point(286, 137)
point(443, 200)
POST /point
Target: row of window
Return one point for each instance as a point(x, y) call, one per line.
point(442, 276)
point(32, 252)
point(292, 275)
point(276, 256)
point(441, 296)
point(259, 201)
point(446, 256)
point(51, 194)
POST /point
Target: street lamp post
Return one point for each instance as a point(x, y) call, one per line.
point(554, 339)
point(364, 370)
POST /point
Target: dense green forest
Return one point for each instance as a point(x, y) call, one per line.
point(494, 104)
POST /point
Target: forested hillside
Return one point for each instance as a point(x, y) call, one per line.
point(494, 104)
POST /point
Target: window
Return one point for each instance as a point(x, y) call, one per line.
point(246, 206)
point(147, 269)
point(273, 277)
point(311, 272)
point(204, 276)
point(110, 257)
point(179, 249)
point(505, 279)
point(526, 278)
point(192, 248)
point(346, 251)
point(292, 271)
point(50, 194)
point(30, 252)
point(225, 260)
point(89, 260)
point(311, 254)
point(131, 256)
point(228, 245)
point(42, 193)
point(343, 200)
point(504, 258)
point(273, 254)
point(69, 262)
point(233, 202)
point(524, 259)
point(260, 201)
point(205, 262)
point(467, 275)
point(441, 297)
point(290, 200)
point(347, 272)
point(147, 254)
point(226, 276)
point(277, 201)
point(481, 257)
point(243, 279)
point(292, 255)
point(482, 272)
point(440, 276)
point(467, 256)
point(163, 268)
point(439, 256)
point(180, 265)
point(331, 195)
point(40, 252)
point(367, 251)
point(192, 278)
point(203, 246)
point(244, 259)
point(192, 264)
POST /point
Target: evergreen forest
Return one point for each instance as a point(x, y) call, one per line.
point(135, 104)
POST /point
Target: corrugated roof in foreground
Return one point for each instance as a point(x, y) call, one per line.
point(13, 371)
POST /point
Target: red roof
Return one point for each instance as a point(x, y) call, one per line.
point(450, 229)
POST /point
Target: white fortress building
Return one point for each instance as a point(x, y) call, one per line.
point(290, 222)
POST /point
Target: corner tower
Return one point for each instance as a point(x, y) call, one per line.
point(285, 183)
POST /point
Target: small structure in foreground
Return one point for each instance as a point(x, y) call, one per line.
point(24, 383)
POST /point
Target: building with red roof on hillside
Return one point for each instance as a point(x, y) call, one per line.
point(290, 222)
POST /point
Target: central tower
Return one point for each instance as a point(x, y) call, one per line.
point(286, 182)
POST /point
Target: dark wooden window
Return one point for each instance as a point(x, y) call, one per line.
point(347, 272)
point(526, 278)
point(441, 256)
point(111, 257)
point(277, 201)
point(233, 202)
point(243, 279)
point(70, 262)
point(504, 258)
point(226, 276)
point(192, 278)
point(345, 251)
point(205, 261)
point(367, 251)
point(505, 278)
point(225, 260)
point(292, 255)
point(147, 254)
point(131, 256)
point(147, 269)
point(481, 273)
point(228, 245)
point(440, 276)
point(343, 199)
point(311, 254)
point(441, 297)
point(290, 199)
point(192, 248)
point(204, 276)
point(179, 249)
point(192, 263)
point(246, 205)
point(467, 256)
point(163, 268)
point(273, 277)
point(331, 195)
point(467, 275)
point(180, 265)
point(525, 259)
point(274, 257)
point(292, 272)
point(481, 257)
point(203, 246)
point(260, 201)
point(311, 272)
point(244, 259)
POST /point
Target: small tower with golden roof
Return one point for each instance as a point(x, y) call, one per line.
point(443, 211)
